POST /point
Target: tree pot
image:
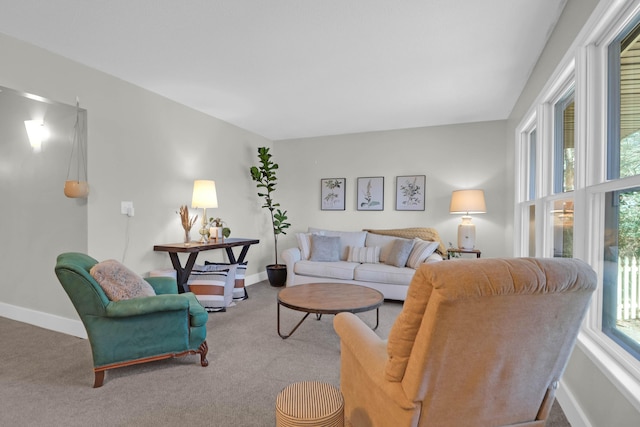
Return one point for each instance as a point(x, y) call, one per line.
point(277, 274)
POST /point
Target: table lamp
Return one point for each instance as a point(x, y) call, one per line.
point(204, 196)
point(467, 202)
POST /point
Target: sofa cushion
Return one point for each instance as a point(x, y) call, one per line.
point(325, 248)
point(347, 239)
point(400, 251)
point(382, 273)
point(420, 252)
point(331, 270)
point(118, 282)
point(366, 254)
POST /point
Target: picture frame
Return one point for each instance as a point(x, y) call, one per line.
point(410, 192)
point(370, 193)
point(332, 194)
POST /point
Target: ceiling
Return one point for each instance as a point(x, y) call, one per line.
point(301, 68)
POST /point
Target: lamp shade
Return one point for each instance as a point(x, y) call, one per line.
point(467, 202)
point(204, 194)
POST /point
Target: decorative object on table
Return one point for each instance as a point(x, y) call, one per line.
point(410, 192)
point(217, 231)
point(266, 180)
point(204, 196)
point(451, 252)
point(187, 223)
point(467, 202)
point(78, 188)
point(332, 191)
point(371, 193)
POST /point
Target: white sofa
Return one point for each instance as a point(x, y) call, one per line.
point(364, 258)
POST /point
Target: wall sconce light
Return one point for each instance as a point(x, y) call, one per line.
point(204, 196)
point(37, 132)
point(467, 202)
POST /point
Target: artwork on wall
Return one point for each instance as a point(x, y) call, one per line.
point(332, 191)
point(371, 193)
point(410, 192)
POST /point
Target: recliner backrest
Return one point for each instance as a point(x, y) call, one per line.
point(490, 336)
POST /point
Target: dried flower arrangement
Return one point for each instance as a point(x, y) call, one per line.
point(187, 222)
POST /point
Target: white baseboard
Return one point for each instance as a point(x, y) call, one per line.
point(255, 278)
point(71, 326)
point(43, 320)
point(575, 415)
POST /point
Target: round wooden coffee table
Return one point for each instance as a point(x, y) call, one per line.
point(328, 298)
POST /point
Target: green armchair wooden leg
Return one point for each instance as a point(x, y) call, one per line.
point(203, 350)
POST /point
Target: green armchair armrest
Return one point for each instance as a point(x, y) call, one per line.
point(146, 305)
point(163, 285)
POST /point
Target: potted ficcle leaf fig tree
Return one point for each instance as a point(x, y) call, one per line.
point(266, 180)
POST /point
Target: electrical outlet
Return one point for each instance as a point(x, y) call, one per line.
point(126, 208)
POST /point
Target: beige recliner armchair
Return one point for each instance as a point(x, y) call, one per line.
point(478, 343)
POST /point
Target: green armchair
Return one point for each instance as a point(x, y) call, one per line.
point(132, 331)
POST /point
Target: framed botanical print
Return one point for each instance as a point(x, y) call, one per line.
point(410, 192)
point(332, 191)
point(371, 193)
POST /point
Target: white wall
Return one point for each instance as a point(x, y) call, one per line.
point(452, 157)
point(35, 215)
point(141, 148)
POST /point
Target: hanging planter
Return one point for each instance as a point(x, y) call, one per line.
point(77, 188)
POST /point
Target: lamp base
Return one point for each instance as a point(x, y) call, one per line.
point(466, 233)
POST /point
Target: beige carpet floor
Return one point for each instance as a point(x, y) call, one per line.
point(46, 377)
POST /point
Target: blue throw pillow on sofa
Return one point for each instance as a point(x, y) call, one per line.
point(325, 248)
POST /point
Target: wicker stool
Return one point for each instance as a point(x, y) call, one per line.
point(310, 403)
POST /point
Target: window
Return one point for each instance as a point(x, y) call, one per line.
point(562, 228)
point(623, 152)
point(621, 260)
point(621, 257)
point(531, 185)
point(578, 182)
point(564, 154)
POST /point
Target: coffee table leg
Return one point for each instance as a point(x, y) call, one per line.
point(377, 318)
point(284, 337)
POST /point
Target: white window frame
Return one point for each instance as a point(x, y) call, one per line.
point(585, 65)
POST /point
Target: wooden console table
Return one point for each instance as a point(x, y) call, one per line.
point(182, 273)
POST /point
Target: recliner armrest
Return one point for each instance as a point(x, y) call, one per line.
point(146, 305)
point(366, 346)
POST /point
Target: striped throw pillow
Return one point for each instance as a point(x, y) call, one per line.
point(369, 254)
point(240, 272)
point(420, 252)
point(212, 285)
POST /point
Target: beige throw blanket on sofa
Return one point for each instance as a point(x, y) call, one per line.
point(424, 233)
